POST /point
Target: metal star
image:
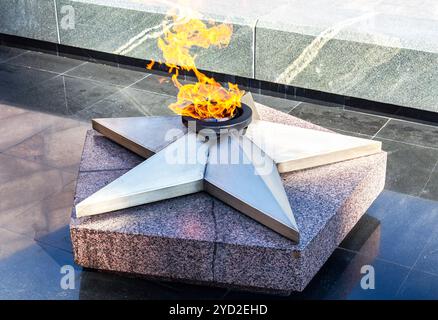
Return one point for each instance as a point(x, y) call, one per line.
point(249, 182)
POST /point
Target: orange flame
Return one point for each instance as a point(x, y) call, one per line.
point(205, 98)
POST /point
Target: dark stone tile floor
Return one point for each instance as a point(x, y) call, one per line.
point(46, 102)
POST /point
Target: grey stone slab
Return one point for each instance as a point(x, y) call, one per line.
point(24, 183)
point(44, 220)
point(58, 146)
point(354, 134)
point(105, 73)
point(107, 286)
point(407, 225)
point(6, 53)
point(23, 125)
point(45, 62)
point(340, 277)
point(389, 277)
point(338, 118)
point(282, 104)
point(369, 52)
point(419, 286)
point(108, 27)
point(30, 270)
point(428, 259)
point(15, 78)
point(67, 95)
point(160, 83)
point(33, 208)
point(273, 115)
point(34, 19)
point(430, 190)
point(410, 132)
point(224, 247)
point(409, 166)
point(129, 102)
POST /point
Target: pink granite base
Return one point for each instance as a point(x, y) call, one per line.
point(199, 239)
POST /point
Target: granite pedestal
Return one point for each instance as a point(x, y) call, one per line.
point(199, 239)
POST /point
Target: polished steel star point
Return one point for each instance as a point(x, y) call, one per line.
point(241, 170)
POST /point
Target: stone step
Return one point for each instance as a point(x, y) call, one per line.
point(384, 51)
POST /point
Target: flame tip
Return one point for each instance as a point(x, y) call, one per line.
point(206, 98)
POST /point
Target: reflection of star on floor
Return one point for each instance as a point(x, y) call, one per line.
point(247, 179)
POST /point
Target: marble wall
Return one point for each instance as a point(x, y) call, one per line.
point(385, 51)
point(29, 18)
point(379, 73)
point(133, 31)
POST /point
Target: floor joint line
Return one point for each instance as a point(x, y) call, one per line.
point(381, 128)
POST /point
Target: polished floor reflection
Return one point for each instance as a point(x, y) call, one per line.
point(46, 102)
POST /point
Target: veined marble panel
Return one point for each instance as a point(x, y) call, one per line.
point(34, 19)
point(131, 28)
point(385, 51)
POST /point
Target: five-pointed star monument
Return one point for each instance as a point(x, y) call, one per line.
point(241, 170)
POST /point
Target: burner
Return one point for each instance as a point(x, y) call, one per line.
point(239, 122)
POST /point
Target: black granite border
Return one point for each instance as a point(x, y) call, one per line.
point(28, 44)
point(248, 84)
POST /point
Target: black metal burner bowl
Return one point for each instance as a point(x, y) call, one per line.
point(239, 122)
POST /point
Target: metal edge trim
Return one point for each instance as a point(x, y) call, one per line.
point(121, 140)
point(251, 212)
